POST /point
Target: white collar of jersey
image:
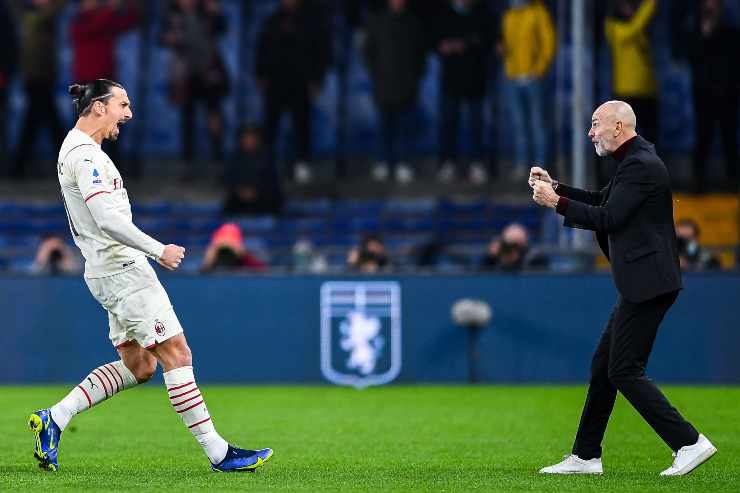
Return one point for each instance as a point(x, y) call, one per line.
point(83, 136)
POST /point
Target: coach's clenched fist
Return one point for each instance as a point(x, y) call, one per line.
point(544, 195)
point(171, 257)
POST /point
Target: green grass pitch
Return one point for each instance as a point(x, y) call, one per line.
point(396, 438)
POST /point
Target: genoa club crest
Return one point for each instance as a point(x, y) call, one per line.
point(360, 332)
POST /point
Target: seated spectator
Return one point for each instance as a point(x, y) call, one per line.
point(226, 252)
point(252, 186)
point(369, 257)
point(306, 259)
point(54, 257)
point(508, 252)
point(691, 256)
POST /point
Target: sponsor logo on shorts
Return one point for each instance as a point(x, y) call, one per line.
point(159, 328)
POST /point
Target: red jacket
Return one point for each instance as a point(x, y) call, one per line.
point(94, 33)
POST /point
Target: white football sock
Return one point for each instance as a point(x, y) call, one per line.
point(188, 402)
point(102, 383)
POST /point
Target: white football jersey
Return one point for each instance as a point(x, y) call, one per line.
point(86, 173)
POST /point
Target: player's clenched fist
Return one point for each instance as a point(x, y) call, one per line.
point(172, 256)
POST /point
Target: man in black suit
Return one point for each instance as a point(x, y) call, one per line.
point(633, 220)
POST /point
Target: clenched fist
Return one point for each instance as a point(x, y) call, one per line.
point(537, 173)
point(544, 195)
point(171, 257)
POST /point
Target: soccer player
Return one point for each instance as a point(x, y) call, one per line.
point(143, 325)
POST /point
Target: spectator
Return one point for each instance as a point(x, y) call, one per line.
point(465, 35)
point(54, 257)
point(197, 71)
point(369, 257)
point(293, 53)
point(226, 252)
point(39, 68)
point(508, 252)
point(633, 69)
point(252, 186)
point(307, 260)
point(8, 60)
point(395, 56)
point(94, 31)
point(711, 44)
point(528, 48)
point(691, 256)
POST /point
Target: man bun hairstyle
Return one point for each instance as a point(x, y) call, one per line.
point(84, 95)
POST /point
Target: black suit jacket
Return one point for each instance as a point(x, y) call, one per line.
point(633, 220)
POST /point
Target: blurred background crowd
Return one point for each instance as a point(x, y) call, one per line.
point(366, 136)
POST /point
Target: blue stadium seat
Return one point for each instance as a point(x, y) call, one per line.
point(423, 206)
point(315, 207)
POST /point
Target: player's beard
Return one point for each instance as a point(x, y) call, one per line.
point(113, 134)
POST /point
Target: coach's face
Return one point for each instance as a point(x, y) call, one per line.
point(603, 132)
point(117, 113)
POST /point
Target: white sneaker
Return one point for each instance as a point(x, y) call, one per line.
point(404, 173)
point(301, 172)
point(690, 457)
point(447, 172)
point(572, 464)
point(478, 174)
point(380, 171)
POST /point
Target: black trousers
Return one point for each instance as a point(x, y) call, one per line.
point(714, 108)
point(41, 111)
point(297, 102)
point(619, 365)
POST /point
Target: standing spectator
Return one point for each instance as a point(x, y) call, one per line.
point(691, 256)
point(293, 54)
point(711, 44)
point(395, 55)
point(8, 60)
point(94, 31)
point(197, 71)
point(252, 186)
point(39, 67)
point(465, 35)
point(633, 69)
point(528, 48)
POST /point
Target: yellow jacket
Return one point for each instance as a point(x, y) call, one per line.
point(529, 40)
point(633, 73)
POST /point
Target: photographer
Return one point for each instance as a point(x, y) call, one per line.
point(55, 258)
point(369, 257)
point(508, 252)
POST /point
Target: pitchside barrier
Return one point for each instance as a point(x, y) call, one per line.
point(370, 331)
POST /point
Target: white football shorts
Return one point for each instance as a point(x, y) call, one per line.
point(138, 306)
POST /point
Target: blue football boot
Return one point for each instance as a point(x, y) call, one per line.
point(238, 459)
point(48, 435)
